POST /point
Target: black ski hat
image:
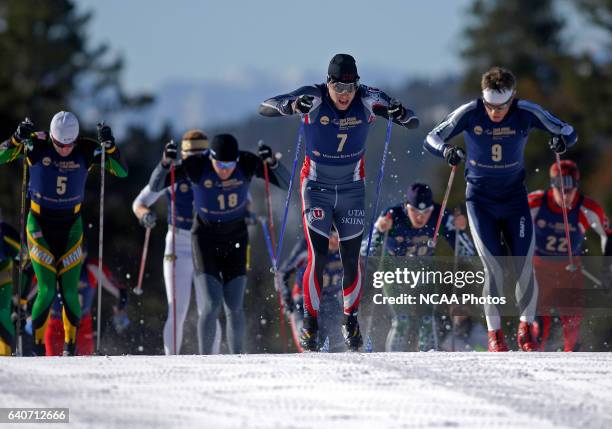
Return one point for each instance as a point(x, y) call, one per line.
point(420, 196)
point(342, 68)
point(224, 147)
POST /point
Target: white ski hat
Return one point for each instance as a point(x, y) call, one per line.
point(64, 127)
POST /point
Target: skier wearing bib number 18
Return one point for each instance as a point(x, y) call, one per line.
point(220, 180)
point(495, 129)
point(336, 117)
point(59, 161)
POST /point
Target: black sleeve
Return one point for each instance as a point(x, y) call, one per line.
point(379, 102)
point(281, 104)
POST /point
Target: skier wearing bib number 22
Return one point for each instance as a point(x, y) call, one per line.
point(495, 129)
point(336, 117)
point(59, 161)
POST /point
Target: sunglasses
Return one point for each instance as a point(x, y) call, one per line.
point(569, 184)
point(225, 165)
point(342, 87)
point(498, 107)
point(420, 211)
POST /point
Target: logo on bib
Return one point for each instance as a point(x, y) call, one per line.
point(478, 130)
point(542, 223)
point(184, 187)
point(324, 120)
point(46, 161)
point(316, 213)
point(208, 183)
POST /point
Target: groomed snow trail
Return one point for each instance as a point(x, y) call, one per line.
point(396, 390)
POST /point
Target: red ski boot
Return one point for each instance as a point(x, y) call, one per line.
point(525, 341)
point(497, 342)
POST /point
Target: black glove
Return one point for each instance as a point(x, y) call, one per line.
point(557, 144)
point(303, 104)
point(454, 155)
point(105, 137)
point(396, 110)
point(170, 151)
point(265, 153)
point(24, 131)
point(149, 220)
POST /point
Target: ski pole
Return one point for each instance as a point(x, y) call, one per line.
point(432, 243)
point(100, 241)
point(591, 277)
point(143, 261)
point(455, 267)
point(173, 256)
point(571, 266)
point(22, 227)
point(298, 146)
point(381, 173)
point(272, 235)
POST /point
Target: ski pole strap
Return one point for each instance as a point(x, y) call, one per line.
point(298, 146)
point(266, 232)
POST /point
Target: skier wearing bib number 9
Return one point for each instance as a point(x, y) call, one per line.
point(495, 130)
point(59, 161)
point(337, 116)
point(220, 180)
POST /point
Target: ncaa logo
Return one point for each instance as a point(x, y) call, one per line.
point(316, 153)
point(478, 130)
point(184, 187)
point(208, 183)
point(46, 161)
point(542, 223)
point(324, 120)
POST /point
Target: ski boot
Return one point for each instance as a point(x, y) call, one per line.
point(309, 334)
point(352, 333)
point(497, 342)
point(524, 338)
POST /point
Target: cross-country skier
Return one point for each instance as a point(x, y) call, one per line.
point(220, 182)
point(88, 282)
point(9, 250)
point(495, 129)
point(58, 161)
point(408, 227)
point(193, 142)
point(337, 116)
point(559, 288)
point(330, 309)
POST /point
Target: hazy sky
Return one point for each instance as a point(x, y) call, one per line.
point(192, 40)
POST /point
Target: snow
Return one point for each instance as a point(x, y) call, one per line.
point(318, 390)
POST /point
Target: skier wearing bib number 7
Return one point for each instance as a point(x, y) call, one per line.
point(337, 116)
point(495, 130)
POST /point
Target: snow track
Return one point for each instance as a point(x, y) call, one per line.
point(398, 390)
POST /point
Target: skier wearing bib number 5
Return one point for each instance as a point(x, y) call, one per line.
point(336, 117)
point(495, 130)
point(59, 161)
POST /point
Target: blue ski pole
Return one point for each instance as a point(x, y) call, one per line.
point(298, 146)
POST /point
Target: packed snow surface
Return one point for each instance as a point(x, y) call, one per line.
point(318, 390)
